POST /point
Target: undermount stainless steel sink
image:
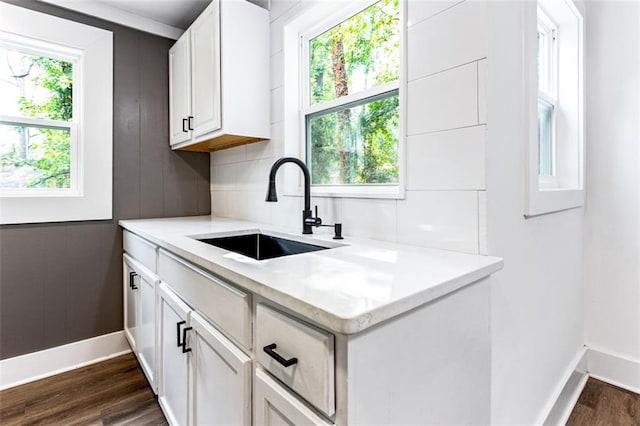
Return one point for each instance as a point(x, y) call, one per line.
point(261, 246)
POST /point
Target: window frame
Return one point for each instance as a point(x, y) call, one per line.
point(62, 53)
point(548, 92)
point(568, 191)
point(91, 125)
point(316, 19)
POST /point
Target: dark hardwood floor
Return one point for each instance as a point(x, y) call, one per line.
point(113, 392)
point(602, 404)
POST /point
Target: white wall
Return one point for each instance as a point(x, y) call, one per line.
point(464, 188)
point(612, 273)
point(445, 144)
point(537, 299)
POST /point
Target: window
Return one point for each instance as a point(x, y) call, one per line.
point(547, 97)
point(38, 132)
point(554, 39)
point(349, 97)
point(55, 119)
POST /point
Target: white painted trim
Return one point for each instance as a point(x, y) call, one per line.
point(92, 130)
point(570, 194)
point(570, 388)
point(119, 16)
point(39, 365)
point(616, 369)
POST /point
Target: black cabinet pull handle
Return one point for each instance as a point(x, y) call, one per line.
point(190, 126)
point(178, 324)
point(185, 349)
point(271, 351)
point(184, 123)
point(132, 284)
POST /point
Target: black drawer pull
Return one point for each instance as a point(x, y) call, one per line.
point(178, 324)
point(271, 351)
point(189, 122)
point(132, 276)
point(184, 123)
point(185, 349)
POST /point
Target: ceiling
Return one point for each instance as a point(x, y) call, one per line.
point(175, 13)
point(166, 18)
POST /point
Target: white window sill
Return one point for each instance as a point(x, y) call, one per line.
point(352, 191)
point(550, 200)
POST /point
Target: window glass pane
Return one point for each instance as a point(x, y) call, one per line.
point(355, 144)
point(357, 54)
point(35, 86)
point(32, 157)
point(545, 138)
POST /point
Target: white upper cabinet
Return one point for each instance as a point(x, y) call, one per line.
point(205, 66)
point(180, 90)
point(219, 79)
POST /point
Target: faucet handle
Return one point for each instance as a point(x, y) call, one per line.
point(314, 221)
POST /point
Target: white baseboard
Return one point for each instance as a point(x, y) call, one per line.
point(566, 394)
point(618, 370)
point(38, 365)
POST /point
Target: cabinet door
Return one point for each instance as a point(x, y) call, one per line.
point(221, 372)
point(173, 371)
point(274, 405)
point(147, 327)
point(131, 302)
point(180, 90)
point(205, 70)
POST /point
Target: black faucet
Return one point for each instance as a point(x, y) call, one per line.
point(308, 221)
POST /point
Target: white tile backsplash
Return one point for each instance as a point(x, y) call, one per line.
point(456, 36)
point(441, 219)
point(224, 177)
point(287, 212)
point(375, 219)
point(419, 10)
point(258, 210)
point(277, 70)
point(453, 159)
point(447, 100)
point(277, 105)
point(219, 203)
point(231, 155)
point(435, 213)
point(237, 205)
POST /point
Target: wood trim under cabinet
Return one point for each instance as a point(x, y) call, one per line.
point(218, 143)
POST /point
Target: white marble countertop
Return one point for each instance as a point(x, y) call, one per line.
point(346, 289)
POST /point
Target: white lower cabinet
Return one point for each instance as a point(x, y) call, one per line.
point(204, 378)
point(221, 388)
point(197, 336)
point(131, 303)
point(147, 336)
point(174, 357)
point(140, 300)
point(274, 405)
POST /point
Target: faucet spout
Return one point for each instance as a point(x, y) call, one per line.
point(307, 220)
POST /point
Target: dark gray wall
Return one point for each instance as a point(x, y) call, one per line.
point(62, 282)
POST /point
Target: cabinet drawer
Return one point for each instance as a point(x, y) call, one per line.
point(140, 249)
point(274, 405)
point(226, 306)
point(313, 375)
